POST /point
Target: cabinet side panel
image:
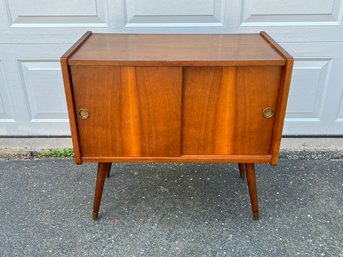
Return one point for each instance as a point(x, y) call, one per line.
point(68, 89)
point(257, 89)
point(282, 104)
point(133, 111)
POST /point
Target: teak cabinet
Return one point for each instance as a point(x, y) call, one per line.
point(176, 98)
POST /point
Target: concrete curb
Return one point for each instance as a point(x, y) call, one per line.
point(28, 148)
point(291, 148)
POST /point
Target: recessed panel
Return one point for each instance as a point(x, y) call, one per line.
point(309, 81)
point(340, 110)
point(4, 99)
point(176, 7)
point(274, 12)
point(154, 13)
point(44, 90)
point(2, 85)
point(2, 107)
point(62, 13)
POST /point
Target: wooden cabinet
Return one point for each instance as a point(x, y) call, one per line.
point(134, 111)
point(184, 98)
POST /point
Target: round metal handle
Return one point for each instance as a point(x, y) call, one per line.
point(268, 112)
point(83, 114)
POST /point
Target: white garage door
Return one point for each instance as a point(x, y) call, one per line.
point(35, 33)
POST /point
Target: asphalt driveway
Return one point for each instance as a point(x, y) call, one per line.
point(170, 209)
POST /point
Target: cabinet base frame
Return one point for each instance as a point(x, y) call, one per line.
point(185, 158)
point(104, 169)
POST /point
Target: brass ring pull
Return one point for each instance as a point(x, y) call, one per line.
point(268, 112)
point(83, 114)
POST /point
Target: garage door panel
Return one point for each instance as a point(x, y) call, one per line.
point(62, 13)
point(295, 12)
point(309, 85)
point(39, 21)
point(35, 33)
point(5, 107)
point(42, 80)
point(291, 21)
point(190, 13)
point(340, 111)
point(35, 90)
point(315, 98)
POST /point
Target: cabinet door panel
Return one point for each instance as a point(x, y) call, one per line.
point(134, 111)
point(257, 89)
point(208, 110)
point(223, 109)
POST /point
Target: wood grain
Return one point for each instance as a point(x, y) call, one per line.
point(70, 95)
point(186, 158)
point(257, 88)
point(133, 111)
point(251, 179)
point(176, 50)
point(222, 109)
point(208, 109)
point(241, 170)
point(283, 96)
point(275, 45)
point(281, 113)
point(99, 187)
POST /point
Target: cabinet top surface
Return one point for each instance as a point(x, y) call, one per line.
point(177, 49)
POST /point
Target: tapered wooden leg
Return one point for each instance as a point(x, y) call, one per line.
point(108, 171)
point(250, 171)
point(99, 186)
point(241, 170)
